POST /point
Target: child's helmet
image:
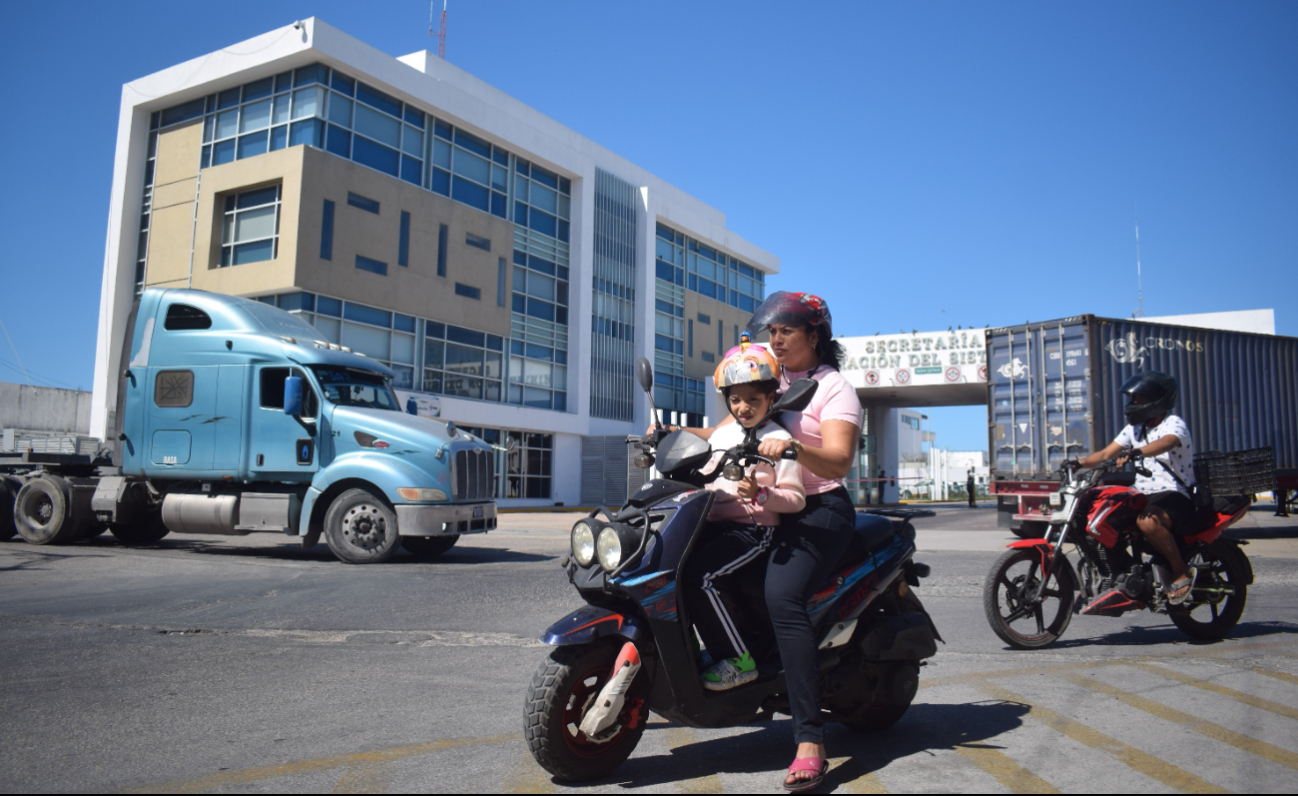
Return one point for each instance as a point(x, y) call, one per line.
point(746, 363)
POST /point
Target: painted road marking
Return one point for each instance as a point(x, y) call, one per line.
point(1001, 766)
point(363, 778)
point(1215, 731)
point(679, 737)
point(1208, 685)
point(1129, 756)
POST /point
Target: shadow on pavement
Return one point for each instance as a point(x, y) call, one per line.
point(36, 555)
point(769, 747)
point(1169, 634)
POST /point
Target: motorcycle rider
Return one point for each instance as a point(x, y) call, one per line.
point(1165, 438)
point(744, 514)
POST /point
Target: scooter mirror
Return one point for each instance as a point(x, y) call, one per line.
point(796, 398)
point(644, 373)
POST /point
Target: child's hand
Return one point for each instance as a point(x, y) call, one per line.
point(748, 487)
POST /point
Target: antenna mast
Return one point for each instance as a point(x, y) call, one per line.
point(1140, 289)
point(441, 30)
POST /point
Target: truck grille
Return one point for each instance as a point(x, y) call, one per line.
point(474, 475)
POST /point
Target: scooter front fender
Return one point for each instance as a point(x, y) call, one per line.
point(590, 623)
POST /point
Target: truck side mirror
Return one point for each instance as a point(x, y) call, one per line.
point(293, 396)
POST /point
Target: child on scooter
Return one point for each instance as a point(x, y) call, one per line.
point(744, 513)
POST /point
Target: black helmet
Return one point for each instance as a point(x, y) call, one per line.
point(1158, 391)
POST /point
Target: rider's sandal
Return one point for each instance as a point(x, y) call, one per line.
point(1186, 583)
point(818, 766)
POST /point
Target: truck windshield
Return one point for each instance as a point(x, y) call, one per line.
point(351, 387)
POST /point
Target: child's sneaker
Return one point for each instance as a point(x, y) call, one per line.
point(730, 672)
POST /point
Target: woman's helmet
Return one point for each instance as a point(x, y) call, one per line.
point(746, 363)
point(1157, 392)
point(792, 309)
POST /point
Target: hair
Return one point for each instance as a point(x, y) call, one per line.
point(828, 350)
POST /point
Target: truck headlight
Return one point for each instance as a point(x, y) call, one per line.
point(610, 549)
point(583, 543)
point(416, 495)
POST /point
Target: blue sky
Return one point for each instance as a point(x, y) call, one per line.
point(918, 164)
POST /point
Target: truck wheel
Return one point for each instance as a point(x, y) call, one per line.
point(44, 513)
point(1031, 530)
point(427, 547)
point(150, 531)
point(361, 529)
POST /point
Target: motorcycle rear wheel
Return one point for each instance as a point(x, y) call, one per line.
point(563, 687)
point(1016, 575)
point(1200, 617)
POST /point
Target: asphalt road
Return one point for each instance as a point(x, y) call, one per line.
point(249, 665)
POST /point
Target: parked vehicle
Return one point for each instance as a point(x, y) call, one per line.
point(1053, 395)
point(1033, 590)
point(631, 650)
point(233, 417)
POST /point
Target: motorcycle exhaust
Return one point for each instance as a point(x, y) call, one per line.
point(608, 705)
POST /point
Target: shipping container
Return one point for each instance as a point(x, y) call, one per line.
point(1053, 392)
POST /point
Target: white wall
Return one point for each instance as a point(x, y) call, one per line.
point(1255, 321)
point(44, 409)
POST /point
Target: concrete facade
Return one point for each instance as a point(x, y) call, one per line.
point(44, 410)
point(185, 226)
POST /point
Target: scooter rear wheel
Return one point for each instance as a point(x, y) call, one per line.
point(567, 682)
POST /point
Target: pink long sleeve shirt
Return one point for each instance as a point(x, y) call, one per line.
point(783, 484)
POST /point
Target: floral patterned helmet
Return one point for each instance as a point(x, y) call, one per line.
point(793, 309)
point(746, 363)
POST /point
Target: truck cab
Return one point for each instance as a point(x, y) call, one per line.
point(235, 416)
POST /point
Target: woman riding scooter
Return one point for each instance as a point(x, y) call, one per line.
point(807, 544)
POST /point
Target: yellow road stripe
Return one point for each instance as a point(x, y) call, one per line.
point(363, 778)
point(1129, 756)
point(710, 783)
point(1283, 676)
point(1007, 772)
point(1215, 731)
point(1211, 687)
point(866, 783)
point(248, 775)
point(526, 776)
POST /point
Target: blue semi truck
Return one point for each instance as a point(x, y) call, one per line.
point(233, 417)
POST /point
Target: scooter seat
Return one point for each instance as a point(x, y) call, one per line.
point(872, 532)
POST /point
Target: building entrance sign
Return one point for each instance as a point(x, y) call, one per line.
point(918, 369)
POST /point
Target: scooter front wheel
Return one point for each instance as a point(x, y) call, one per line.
point(563, 689)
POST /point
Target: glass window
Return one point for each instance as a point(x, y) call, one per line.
point(278, 137)
point(412, 142)
point(473, 143)
point(544, 198)
point(250, 226)
point(315, 73)
point(377, 126)
point(253, 144)
point(468, 292)
point(541, 222)
point(340, 110)
point(376, 156)
point(255, 116)
point(375, 98)
point(308, 102)
point(343, 83)
point(470, 194)
point(174, 389)
point(364, 314)
point(475, 168)
point(309, 132)
point(227, 124)
point(363, 202)
point(442, 154)
point(340, 142)
point(477, 241)
point(373, 266)
point(545, 177)
point(414, 117)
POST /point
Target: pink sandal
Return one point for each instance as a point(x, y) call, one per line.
point(817, 765)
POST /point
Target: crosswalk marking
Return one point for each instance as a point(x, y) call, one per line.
point(1007, 772)
point(363, 778)
point(1215, 731)
point(1208, 685)
point(1283, 676)
point(1129, 756)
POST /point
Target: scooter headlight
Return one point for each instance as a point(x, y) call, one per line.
point(610, 549)
point(583, 543)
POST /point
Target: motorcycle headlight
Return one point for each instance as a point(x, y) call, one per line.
point(583, 543)
point(610, 549)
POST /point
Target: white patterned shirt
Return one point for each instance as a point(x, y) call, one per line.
point(1179, 459)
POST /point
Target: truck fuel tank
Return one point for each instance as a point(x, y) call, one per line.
point(235, 515)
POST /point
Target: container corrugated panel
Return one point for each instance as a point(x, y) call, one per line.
point(1238, 391)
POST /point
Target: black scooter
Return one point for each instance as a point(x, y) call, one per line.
point(631, 650)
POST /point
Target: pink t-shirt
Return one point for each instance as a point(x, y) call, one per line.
point(835, 399)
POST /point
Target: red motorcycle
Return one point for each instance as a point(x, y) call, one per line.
point(1033, 590)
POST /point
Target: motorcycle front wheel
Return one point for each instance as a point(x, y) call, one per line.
point(1217, 600)
point(563, 689)
point(1009, 600)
